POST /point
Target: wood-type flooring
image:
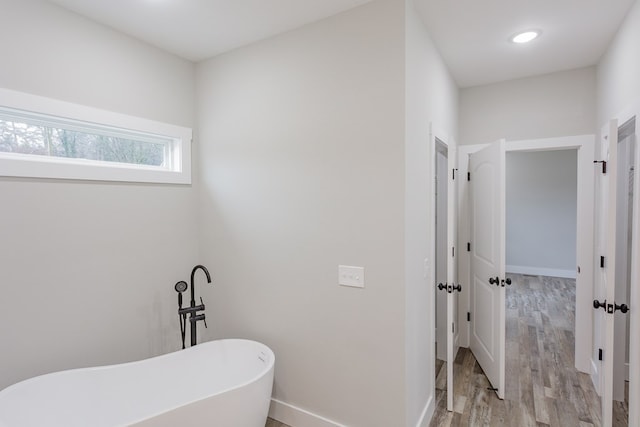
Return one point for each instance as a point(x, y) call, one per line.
point(543, 389)
point(542, 386)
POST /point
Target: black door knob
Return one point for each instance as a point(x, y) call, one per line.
point(457, 288)
point(441, 286)
point(624, 308)
point(507, 281)
point(494, 281)
point(597, 304)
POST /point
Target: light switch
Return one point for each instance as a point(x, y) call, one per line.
point(349, 275)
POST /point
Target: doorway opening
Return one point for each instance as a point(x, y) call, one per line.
point(541, 253)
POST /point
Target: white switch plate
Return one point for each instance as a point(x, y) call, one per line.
point(349, 275)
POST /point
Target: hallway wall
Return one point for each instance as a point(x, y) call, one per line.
point(618, 84)
point(619, 96)
point(552, 105)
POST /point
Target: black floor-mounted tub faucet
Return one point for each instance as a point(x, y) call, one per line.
point(193, 309)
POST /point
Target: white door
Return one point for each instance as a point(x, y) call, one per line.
point(604, 289)
point(445, 161)
point(487, 208)
point(452, 286)
point(625, 177)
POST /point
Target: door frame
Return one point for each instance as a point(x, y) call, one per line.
point(634, 298)
point(437, 136)
point(584, 144)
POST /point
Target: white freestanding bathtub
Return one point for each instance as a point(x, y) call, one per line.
point(225, 383)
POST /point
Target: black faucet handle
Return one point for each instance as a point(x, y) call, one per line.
point(204, 319)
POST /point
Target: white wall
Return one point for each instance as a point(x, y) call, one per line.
point(431, 97)
point(552, 105)
point(618, 83)
point(303, 169)
point(87, 269)
point(541, 195)
point(315, 154)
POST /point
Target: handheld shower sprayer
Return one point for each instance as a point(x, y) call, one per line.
point(180, 287)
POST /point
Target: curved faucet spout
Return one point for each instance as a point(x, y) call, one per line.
point(193, 272)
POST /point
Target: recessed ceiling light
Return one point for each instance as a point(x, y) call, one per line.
point(525, 37)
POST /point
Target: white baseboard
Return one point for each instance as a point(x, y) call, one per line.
point(539, 271)
point(626, 371)
point(595, 377)
point(427, 413)
point(298, 417)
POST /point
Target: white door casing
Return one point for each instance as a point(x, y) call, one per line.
point(444, 161)
point(634, 301)
point(452, 286)
point(487, 209)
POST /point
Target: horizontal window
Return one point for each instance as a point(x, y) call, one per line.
point(45, 138)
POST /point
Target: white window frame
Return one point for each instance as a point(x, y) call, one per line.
point(32, 166)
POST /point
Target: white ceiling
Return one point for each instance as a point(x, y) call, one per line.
point(472, 35)
point(200, 29)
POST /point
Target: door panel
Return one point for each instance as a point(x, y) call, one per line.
point(483, 309)
point(605, 286)
point(625, 177)
point(442, 251)
point(487, 168)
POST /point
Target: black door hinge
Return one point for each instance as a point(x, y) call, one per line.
point(453, 173)
point(601, 262)
point(468, 176)
point(604, 165)
point(452, 328)
point(468, 246)
point(453, 251)
point(468, 316)
point(599, 354)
